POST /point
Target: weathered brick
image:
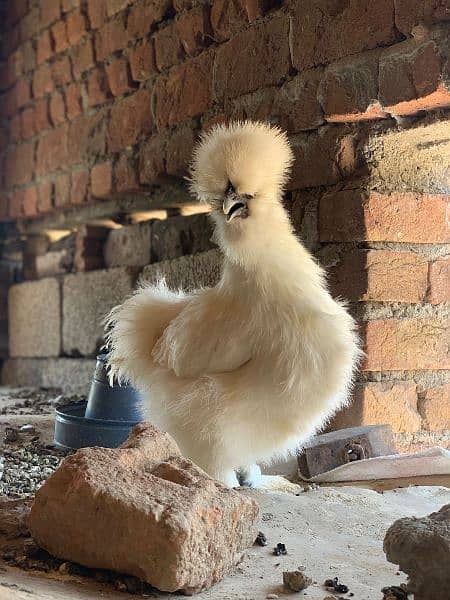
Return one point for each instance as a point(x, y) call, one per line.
point(87, 298)
point(29, 206)
point(68, 5)
point(59, 36)
point(178, 236)
point(15, 130)
point(79, 187)
point(152, 164)
point(349, 89)
point(118, 76)
point(350, 215)
point(410, 13)
point(130, 118)
point(97, 87)
point(409, 344)
point(186, 92)
point(411, 77)
point(187, 272)
point(101, 180)
point(115, 6)
point(393, 403)
point(434, 406)
point(50, 12)
point(45, 197)
point(111, 37)
point(82, 57)
point(125, 174)
point(193, 30)
point(179, 151)
point(128, 246)
point(143, 15)
point(168, 48)
point(34, 318)
point(29, 25)
point(326, 31)
point(380, 275)
point(228, 17)
point(22, 92)
point(73, 100)
point(52, 150)
point(29, 56)
point(16, 204)
point(142, 61)
point(19, 166)
point(41, 114)
point(96, 12)
point(42, 81)
point(28, 123)
point(62, 190)
point(439, 278)
point(76, 27)
point(238, 62)
point(62, 71)
point(87, 137)
point(44, 47)
point(57, 108)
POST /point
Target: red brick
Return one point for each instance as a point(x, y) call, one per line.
point(349, 89)
point(15, 130)
point(411, 77)
point(76, 27)
point(44, 47)
point(168, 48)
point(393, 403)
point(152, 164)
point(142, 61)
point(41, 114)
point(115, 6)
point(29, 56)
point(22, 92)
point(130, 118)
point(68, 5)
point(62, 190)
point(96, 13)
point(410, 13)
point(228, 17)
point(125, 174)
point(73, 100)
point(79, 188)
point(238, 62)
point(186, 92)
point(409, 344)
point(28, 123)
point(16, 204)
point(52, 151)
point(87, 137)
point(97, 87)
point(439, 277)
point(179, 151)
point(144, 14)
point(101, 180)
point(325, 31)
point(29, 25)
point(29, 202)
point(118, 76)
point(45, 197)
point(349, 215)
point(57, 108)
point(380, 275)
point(59, 36)
point(194, 31)
point(110, 38)
point(19, 167)
point(61, 71)
point(50, 11)
point(434, 406)
point(82, 58)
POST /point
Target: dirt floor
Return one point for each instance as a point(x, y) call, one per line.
point(329, 532)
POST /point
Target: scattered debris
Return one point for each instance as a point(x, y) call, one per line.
point(272, 596)
point(395, 592)
point(296, 581)
point(261, 539)
point(11, 435)
point(32, 401)
point(334, 585)
point(280, 550)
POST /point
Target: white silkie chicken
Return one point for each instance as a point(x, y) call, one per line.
point(251, 368)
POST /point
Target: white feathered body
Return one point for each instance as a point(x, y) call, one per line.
point(249, 369)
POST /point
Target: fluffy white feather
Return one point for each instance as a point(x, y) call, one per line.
point(251, 368)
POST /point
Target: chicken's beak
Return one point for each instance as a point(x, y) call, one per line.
point(235, 206)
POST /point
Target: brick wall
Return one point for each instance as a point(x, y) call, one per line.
point(102, 100)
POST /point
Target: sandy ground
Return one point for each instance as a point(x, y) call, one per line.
point(330, 532)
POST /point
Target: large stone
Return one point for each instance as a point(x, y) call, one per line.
point(35, 318)
point(146, 511)
point(128, 246)
point(72, 375)
point(87, 298)
point(187, 272)
point(421, 548)
point(178, 236)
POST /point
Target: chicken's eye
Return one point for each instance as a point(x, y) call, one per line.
point(248, 196)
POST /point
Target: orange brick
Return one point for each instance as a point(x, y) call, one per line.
point(111, 37)
point(409, 344)
point(142, 61)
point(73, 100)
point(79, 187)
point(59, 35)
point(439, 281)
point(57, 108)
point(130, 118)
point(42, 81)
point(62, 71)
point(44, 47)
point(98, 88)
point(125, 174)
point(76, 27)
point(118, 76)
point(50, 11)
point(392, 403)
point(45, 197)
point(29, 202)
point(62, 190)
point(434, 406)
point(101, 180)
point(52, 152)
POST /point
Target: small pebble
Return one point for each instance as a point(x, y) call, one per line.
point(296, 580)
point(27, 428)
point(272, 596)
point(280, 550)
point(261, 539)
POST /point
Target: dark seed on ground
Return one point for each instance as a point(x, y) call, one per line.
point(261, 539)
point(340, 588)
point(280, 550)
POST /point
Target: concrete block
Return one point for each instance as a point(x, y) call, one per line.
point(178, 236)
point(35, 318)
point(71, 375)
point(187, 272)
point(128, 246)
point(87, 298)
